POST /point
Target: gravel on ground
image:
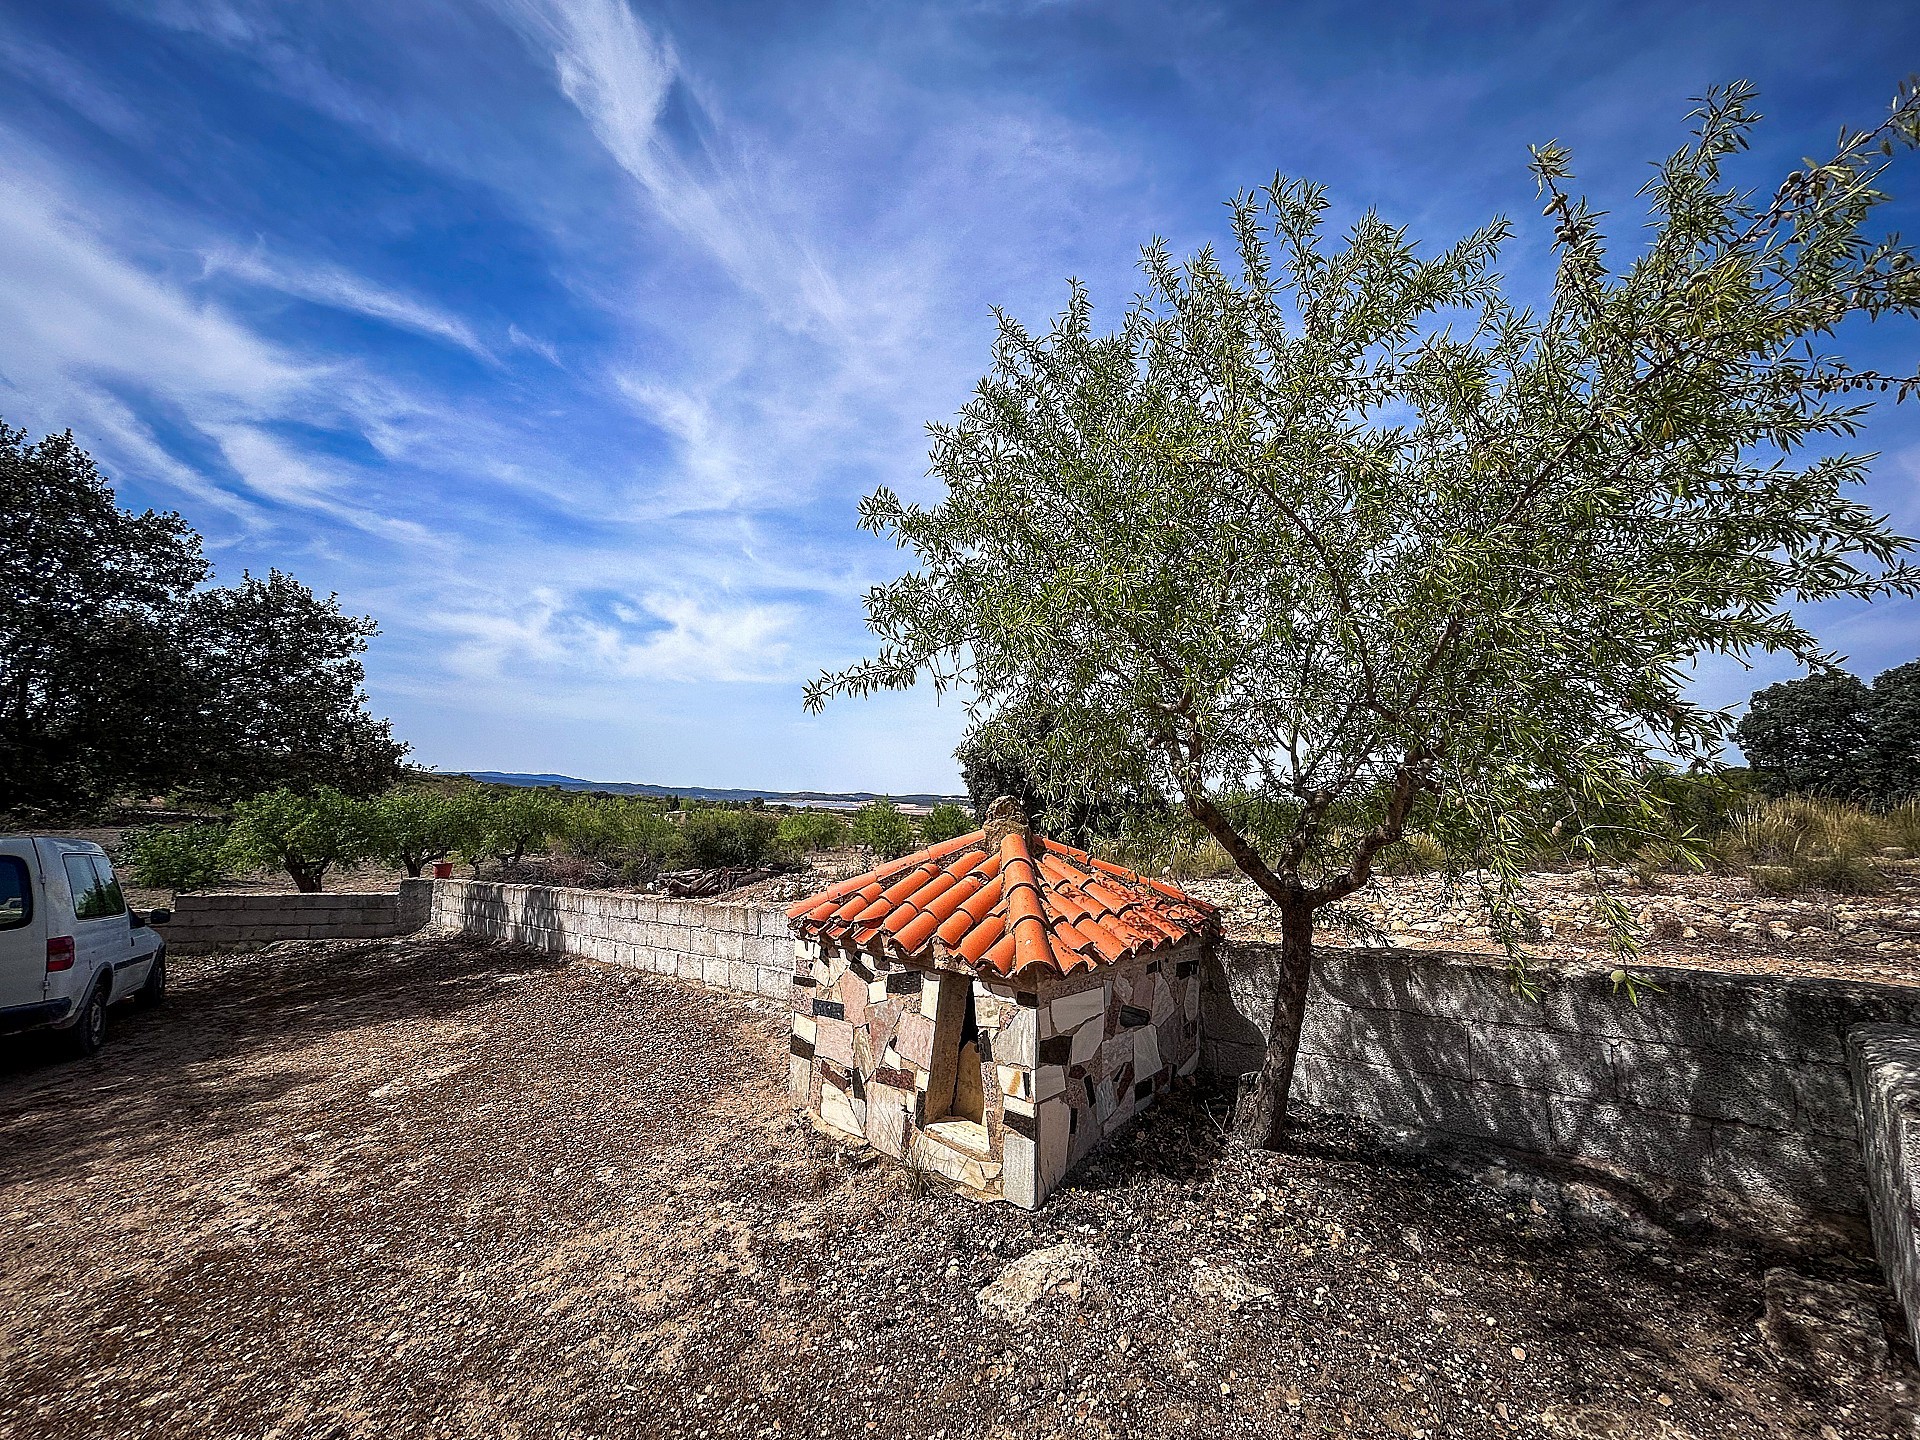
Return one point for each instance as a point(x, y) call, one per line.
point(427, 1187)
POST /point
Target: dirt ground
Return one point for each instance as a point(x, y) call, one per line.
point(425, 1187)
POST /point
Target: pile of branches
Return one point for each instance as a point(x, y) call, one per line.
point(699, 884)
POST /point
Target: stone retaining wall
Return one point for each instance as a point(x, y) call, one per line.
point(205, 922)
point(1886, 1077)
point(1730, 1083)
point(737, 947)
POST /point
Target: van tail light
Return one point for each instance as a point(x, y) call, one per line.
point(59, 953)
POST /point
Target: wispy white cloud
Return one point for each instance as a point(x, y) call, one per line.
point(330, 285)
point(658, 637)
point(620, 76)
point(519, 337)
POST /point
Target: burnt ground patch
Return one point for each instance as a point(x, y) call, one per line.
point(430, 1187)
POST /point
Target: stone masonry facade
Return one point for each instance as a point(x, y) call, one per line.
point(1050, 1066)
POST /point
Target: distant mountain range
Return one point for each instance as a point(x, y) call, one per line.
point(821, 799)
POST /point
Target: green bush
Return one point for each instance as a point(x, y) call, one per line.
point(176, 857)
point(883, 830)
point(304, 835)
point(808, 832)
point(731, 839)
point(945, 822)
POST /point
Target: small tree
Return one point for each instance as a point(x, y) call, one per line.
point(882, 830)
point(503, 824)
point(945, 822)
point(305, 835)
point(1338, 541)
point(412, 828)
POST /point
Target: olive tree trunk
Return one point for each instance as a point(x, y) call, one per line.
point(1261, 1116)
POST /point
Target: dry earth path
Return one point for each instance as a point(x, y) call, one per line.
point(424, 1188)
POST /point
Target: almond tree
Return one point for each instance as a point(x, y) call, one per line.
point(1337, 536)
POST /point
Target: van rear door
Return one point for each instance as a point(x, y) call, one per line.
point(23, 951)
point(100, 928)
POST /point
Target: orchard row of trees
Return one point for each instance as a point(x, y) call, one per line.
point(307, 833)
point(122, 672)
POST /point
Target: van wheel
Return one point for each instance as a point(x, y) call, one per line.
point(153, 990)
point(89, 1032)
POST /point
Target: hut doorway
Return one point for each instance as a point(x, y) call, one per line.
point(956, 1093)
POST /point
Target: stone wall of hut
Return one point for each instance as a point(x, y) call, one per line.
point(1057, 1062)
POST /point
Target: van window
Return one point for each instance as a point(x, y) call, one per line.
point(93, 899)
point(104, 873)
point(16, 897)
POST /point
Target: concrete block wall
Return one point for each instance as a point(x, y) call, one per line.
point(1886, 1076)
point(735, 947)
point(1730, 1083)
point(205, 922)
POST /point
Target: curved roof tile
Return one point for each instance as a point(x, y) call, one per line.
point(1005, 906)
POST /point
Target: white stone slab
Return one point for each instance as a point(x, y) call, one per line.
point(1049, 1081)
point(1087, 1040)
point(1016, 1043)
point(1019, 1179)
point(804, 1028)
point(1069, 1012)
point(1054, 1145)
point(837, 1109)
point(1146, 1053)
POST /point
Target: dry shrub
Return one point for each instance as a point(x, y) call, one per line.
point(1797, 843)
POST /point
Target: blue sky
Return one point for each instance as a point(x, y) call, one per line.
point(563, 335)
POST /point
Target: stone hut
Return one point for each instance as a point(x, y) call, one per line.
point(992, 1007)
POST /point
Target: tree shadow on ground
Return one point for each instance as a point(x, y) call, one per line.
point(227, 1047)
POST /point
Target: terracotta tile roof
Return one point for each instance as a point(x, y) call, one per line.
point(1016, 904)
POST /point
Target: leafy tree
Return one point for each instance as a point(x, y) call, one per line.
point(93, 605)
point(1809, 736)
point(412, 828)
point(117, 672)
point(881, 829)
point(282, 704)
point(506, 823)
point(1893, 769)
point(945, 822)
point(176, 857)
point(991, 765)
point(1337, 531)
point(807, 832)
point(304, 834)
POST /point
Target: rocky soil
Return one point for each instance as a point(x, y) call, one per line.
point(1714, 922)
point(425, 1187)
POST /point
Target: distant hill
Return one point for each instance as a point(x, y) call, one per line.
point(820, 799)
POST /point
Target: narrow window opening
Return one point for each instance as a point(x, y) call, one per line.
point(956, 1094)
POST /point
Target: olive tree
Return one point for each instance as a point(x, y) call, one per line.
point(1335, 537)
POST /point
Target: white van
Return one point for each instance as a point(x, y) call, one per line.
point(69, 947)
